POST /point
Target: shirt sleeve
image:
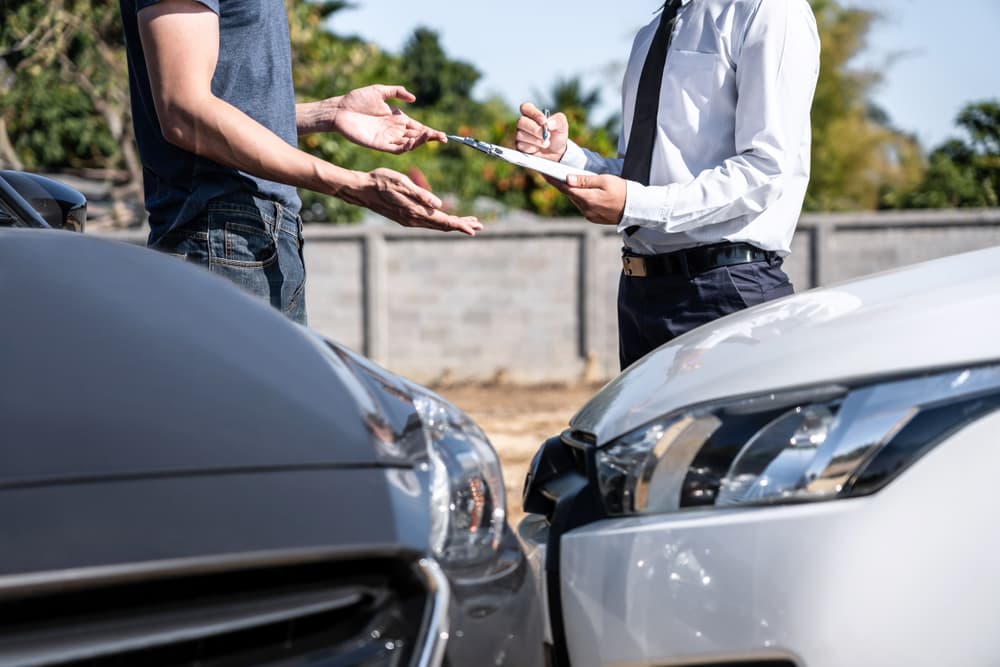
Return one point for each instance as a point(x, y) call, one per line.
point(776, 75)
point(584, 158)
point(142, 4)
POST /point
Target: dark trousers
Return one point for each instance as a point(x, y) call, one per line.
point(655, 310)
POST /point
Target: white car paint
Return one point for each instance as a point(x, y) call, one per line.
point(908, 576)
point(933, 315)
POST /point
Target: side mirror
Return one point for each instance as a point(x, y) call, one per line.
point(30, 200)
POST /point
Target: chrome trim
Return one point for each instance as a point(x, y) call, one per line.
point(432, 654)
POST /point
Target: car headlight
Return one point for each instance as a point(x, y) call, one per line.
point(467, 498)
point(817, 444)
point(467, 493)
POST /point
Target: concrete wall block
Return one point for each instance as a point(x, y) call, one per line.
point(334, 298)
point(857, 252)
point(511, 303)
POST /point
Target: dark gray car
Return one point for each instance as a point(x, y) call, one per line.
point(188, 478)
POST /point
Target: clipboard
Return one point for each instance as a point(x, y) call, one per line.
point(556, 170)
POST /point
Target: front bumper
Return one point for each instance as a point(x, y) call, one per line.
point(908, 576)
point(495, 616)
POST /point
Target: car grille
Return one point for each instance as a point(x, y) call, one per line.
point(374, 613)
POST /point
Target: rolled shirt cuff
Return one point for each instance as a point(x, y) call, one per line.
point(647, 205)
point(574, 156)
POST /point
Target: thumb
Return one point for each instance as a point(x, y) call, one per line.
point(584, 182)
point(397, 92)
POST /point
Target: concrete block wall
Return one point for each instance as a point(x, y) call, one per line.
point(533, 300)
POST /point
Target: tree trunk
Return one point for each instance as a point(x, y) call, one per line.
point(8, 156)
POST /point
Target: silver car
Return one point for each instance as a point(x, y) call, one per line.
point(808, 483)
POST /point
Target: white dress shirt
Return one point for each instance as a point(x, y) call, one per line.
point(731, 158)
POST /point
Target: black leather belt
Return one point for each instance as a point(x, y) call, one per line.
point(690, 261)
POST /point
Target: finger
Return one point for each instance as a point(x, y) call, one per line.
point(416, 128)
point(395, 92)
point(415, 139)
point(558, 184)
point(468, 225)
point(423, 197)
point(447, 223)
point(396, 147)
point(530, 128)
point(534, 113)
point(430, 134)
point(558, 121)
point(527, 142)
point(583, 182)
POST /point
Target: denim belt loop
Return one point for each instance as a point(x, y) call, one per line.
point(276, 225)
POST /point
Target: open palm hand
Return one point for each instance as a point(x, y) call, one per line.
point(365, 118)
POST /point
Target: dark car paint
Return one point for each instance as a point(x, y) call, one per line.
point(38, 201)
point(98, 524)
point(198, 376)
point(207, 458)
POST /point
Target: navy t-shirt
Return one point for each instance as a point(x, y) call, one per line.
point(254, 74)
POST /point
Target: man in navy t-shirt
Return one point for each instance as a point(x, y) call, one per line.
point(217, 128)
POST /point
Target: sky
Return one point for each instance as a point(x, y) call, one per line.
point(936, 55)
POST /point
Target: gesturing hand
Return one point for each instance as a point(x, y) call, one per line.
point(601, 199)
point(365, 118)
point(395, 196)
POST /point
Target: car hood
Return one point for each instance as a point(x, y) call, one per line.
point(118, 361)
point(932, 315)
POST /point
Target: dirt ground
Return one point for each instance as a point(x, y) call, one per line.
point(517, 419)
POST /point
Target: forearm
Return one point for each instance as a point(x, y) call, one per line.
point(313, 117)
point(741, 186)
point(218, 131)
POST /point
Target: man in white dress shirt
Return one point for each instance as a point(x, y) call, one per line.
point(713, 162)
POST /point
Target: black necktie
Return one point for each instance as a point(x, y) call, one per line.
point(639, 154)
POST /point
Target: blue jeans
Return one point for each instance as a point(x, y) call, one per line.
point(252, 242)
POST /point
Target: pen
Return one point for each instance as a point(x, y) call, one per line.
point(545, 125)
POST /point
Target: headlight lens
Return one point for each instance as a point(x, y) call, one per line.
point(467, 499)
point(467, 494)
point(829, 442)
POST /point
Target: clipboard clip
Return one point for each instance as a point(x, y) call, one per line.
point(489, 149)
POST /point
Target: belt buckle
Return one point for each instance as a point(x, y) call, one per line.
point(634, 266)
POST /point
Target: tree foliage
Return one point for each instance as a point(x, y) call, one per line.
point(64, 104)
point(64, 90)
point(962, 172)
point(856, 154)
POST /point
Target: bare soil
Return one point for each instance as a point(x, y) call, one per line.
point(517, 420)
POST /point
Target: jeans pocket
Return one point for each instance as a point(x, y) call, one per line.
point(247, 246)
point(186, 246)
point(295, 275)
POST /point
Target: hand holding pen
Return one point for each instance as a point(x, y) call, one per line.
point(541, 133)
